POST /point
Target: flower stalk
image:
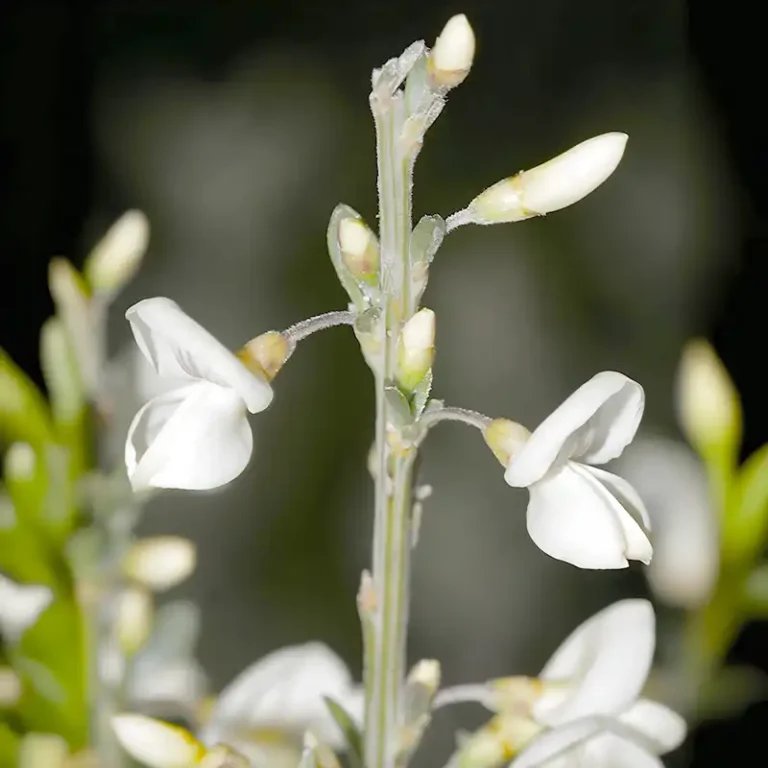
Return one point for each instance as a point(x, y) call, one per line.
point(385, 660)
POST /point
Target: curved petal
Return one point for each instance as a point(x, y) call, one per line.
point(556, 746)
point(573, 518)
point(605, 662)
point(284, 691)
point(664, 729)
point(593, 425)
point(179, 347)
point(196, 438)
point(155, 743)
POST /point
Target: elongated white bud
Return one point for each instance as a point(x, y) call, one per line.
point(453, 52)
point(416, 349)
point(556, 184)
point(157, 744)
point(118, 255)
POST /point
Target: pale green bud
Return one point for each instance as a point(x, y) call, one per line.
point(416, 349)
point(708, 404)
point(118, 255)
point(504, 438)
point(359, 249)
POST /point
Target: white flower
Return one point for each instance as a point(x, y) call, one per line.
point(20, 607)
point(585, 707)
point(160, 562)
point(591, 696)
point(157, 744)
point(196, 436)
point(578, 513)
point(283, 693)
point(686, 552)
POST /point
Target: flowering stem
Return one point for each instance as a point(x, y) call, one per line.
point(385, 651)
point(307, 327)
point(450, 413)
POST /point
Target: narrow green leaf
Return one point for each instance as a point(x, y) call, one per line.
point(352, 736)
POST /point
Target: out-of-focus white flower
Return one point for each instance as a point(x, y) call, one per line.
point(585, 706)
point(133, 618)
point(686, 536)
point(556, 184)
point(196, 436)
point(578, 513)
point(280, 697)
point(161, 562)
point(157, 744)
point(20, 607)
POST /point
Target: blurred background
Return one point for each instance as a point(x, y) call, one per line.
point(238, 126)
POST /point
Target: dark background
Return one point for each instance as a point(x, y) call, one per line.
point(548, 73)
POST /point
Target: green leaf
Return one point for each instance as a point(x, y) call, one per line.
point(24, 414)
point(50, 660)
point(426, 238)
point(9, 746)
point(745, 527)
point(398, 409)
point(756, 592)
point(420, 396)
point(352, 736)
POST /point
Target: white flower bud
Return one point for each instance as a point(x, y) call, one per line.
point(707, 401)
point(426, 673)
point(359, 249)
point(133, 623)
point(416, 349)
point(161, 562)
point(117, 257)
point(156, 744)
point(556, 184)
point(453, 53)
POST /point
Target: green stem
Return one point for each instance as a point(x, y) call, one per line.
point(386, 662)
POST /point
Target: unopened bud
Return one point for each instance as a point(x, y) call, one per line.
point(10, 687)
point(707, 402)
point(160, 563)
point(359, 249)
point(453, 53)
point(426, 673)
point(117, 256)
point(556, 184)
point(266, 354)
point(156, 744)
point(416, 349)
point(20, 462)
point(133, 623)
point(505, 438)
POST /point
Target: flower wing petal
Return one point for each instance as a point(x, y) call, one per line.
point(573, 518)
point(604, 661)
point(554, 747)
point(179, 347)
point(593, 425)
point(661, 726)
point(196, 438)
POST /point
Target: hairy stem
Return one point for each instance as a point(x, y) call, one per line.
point(385, 660)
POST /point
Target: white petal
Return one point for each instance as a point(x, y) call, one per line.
point(178, 347)
point(20, 606)
point(156, 744)
point(284, 691)
point(673, 482)
point(572, 517)
point(605, 662)
point(560, 743)
point(195, 438)
point(609, 750)
point(593, 425)
point(664, 728)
